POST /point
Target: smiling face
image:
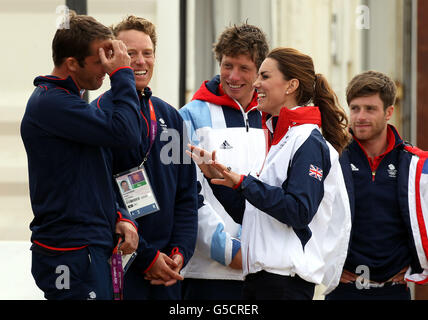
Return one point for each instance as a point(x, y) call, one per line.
point(141, 50)
point(92, 74)
point(271, 88)
point(368, 118)
point(237, 75)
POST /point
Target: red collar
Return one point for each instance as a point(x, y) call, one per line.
point(292, 118)
point(222, 99)
point(374, 162)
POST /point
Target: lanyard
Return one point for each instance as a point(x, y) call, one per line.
point(117, 273)
point(153, 131)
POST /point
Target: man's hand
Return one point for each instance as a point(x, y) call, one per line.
point(165, 271)
point(129, 236)
point(348, 277)
point(399, 277)
point(118, 58)
point(178, 259)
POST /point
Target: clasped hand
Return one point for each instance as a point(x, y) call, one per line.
point(165, 271)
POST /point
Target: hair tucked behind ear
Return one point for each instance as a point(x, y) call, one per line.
point(333, 117)
point(314, 88)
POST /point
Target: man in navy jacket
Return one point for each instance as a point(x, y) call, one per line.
point(376, 169)
point(70, 177)
point(167, 236)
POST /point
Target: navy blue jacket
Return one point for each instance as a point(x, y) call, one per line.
point(174, 226)
point(70, 176)
point(381, 236)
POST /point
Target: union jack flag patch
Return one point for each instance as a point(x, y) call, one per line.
point(315, 172)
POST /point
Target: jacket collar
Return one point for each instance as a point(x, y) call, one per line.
point(290, 118)
point(394, 140)
point(65, 83)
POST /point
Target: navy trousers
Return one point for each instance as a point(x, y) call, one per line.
point(349, 291)
point(73, 275)
point(207, 289)
point(137, 288)
point(270, 286)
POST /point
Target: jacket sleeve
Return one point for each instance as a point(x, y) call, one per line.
point(183, 238)
point(232, 201)
point(345, 164)
point(76, 120)
point(213, 240)
point(296, 201)
point(146, 255)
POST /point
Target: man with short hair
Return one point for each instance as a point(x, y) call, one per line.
point(223, 117)
point(377, 167)
point(70, 177)
point(167, 236)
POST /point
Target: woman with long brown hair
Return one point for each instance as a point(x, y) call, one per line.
point(295, 211)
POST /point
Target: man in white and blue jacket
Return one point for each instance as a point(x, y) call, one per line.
point(222, 116)
point(387, 184)
point(70, 176)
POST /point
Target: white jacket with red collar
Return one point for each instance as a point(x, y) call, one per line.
point(297, 217)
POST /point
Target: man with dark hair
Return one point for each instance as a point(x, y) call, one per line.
point(222, 116)
point(167, 235)
point(380, 171)
point(70, 177)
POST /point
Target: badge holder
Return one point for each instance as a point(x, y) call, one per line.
point(137, 192)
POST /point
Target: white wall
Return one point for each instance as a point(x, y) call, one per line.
point(27, 31)
point(333, 43)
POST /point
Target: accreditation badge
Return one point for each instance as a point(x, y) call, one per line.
point(137, 193)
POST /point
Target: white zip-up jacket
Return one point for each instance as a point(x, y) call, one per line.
point(297, 217)
point(217, 122)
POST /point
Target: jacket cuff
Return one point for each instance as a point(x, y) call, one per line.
point(236, 245)
point(175, 251)
point(153, 262)
point(236, 186)
point(113, 72)
point(120, 217)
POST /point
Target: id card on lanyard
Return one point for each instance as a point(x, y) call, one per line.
point(134, 184)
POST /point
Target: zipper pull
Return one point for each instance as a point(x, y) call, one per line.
point(373, 175)
point(247, 125)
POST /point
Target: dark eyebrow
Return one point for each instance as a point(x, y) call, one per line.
point(364, 105)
